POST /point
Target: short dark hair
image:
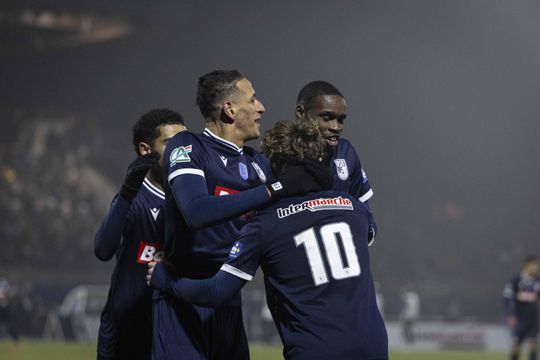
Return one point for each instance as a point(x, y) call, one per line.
point(313, 89)
point(146, 129)
point(292, 140)
point(213, 88)
point(531, 259)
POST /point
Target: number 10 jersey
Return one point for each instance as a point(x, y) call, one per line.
point(314, 255)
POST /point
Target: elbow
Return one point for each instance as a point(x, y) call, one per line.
point(102, 254)
point(194, 219)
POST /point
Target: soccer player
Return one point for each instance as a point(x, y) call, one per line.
point(212, 180)
point(133, 231)
point(324, 103)
point(521, 307)
point(314, 255)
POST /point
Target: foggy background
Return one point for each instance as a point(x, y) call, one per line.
point(443, 103)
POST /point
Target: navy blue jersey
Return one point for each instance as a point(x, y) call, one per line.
point(521, 297)
point(314, 255)
point(126, 319)
point(349, 176)
point(226, 170)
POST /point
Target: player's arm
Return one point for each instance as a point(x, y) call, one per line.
point(361, 189)
point(509, 304)
point(234, 274)
point(212, 292)
point(201, 209)
point(109, 234)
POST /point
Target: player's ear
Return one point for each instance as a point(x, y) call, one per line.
point(144, 148)
point(229, 110)
point(300, 112)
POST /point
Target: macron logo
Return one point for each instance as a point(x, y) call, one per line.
point(223, 159)
point(155, 213)
point(338, 203)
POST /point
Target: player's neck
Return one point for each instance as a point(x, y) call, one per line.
point(155, 179)
point(225, 131)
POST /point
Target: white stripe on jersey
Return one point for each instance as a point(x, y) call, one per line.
point(225, 142)
point(366, 196)
point(185, 172)
point(234, 271)
point(154, 190)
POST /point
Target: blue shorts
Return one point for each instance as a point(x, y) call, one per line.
point(182, 331)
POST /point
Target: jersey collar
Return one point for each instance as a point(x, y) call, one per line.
point(222, 141)
point(153, 189)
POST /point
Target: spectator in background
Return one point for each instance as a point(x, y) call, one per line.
point(10, 311)
point(521, 307)
point(410, 312)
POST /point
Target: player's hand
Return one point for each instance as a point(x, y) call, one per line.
point(297, 178)
point(512, 322)
point(320, 172)
point(150, 271)
point(135, 174)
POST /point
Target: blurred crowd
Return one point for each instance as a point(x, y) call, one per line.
point(48, 213)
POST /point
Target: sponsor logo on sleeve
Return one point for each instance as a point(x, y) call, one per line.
point(180, 155)
point(149, 252)
point(259, 171)
point(338, 203)
point(236, 249)
point(342, 169)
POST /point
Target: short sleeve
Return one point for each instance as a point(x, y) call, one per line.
point(244, 257)
point(184, 155)
point(360, 187)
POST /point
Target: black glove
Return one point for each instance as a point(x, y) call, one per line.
point(294, 179)
point(320, 172)
point(135, 174)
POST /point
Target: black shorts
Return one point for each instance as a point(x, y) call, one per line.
point(526, 329)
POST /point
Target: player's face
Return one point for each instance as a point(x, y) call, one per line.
point(166, 132)
point(248, 111)
point(533, 269)
point(330, 112)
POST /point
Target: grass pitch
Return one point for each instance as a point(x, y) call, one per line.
point(38, 350)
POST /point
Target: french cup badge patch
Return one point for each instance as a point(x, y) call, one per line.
point(243, 170)
point(259, 171)
point(235, 251)
point(342, 169)
point(180, 155)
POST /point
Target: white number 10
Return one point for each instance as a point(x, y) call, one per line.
point(329, 234)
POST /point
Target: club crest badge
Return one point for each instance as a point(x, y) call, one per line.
point(243, 170)
point(259, 171)
point(180, 155)
point(342, 169)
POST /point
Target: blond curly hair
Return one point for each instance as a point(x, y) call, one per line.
point(292, 140)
